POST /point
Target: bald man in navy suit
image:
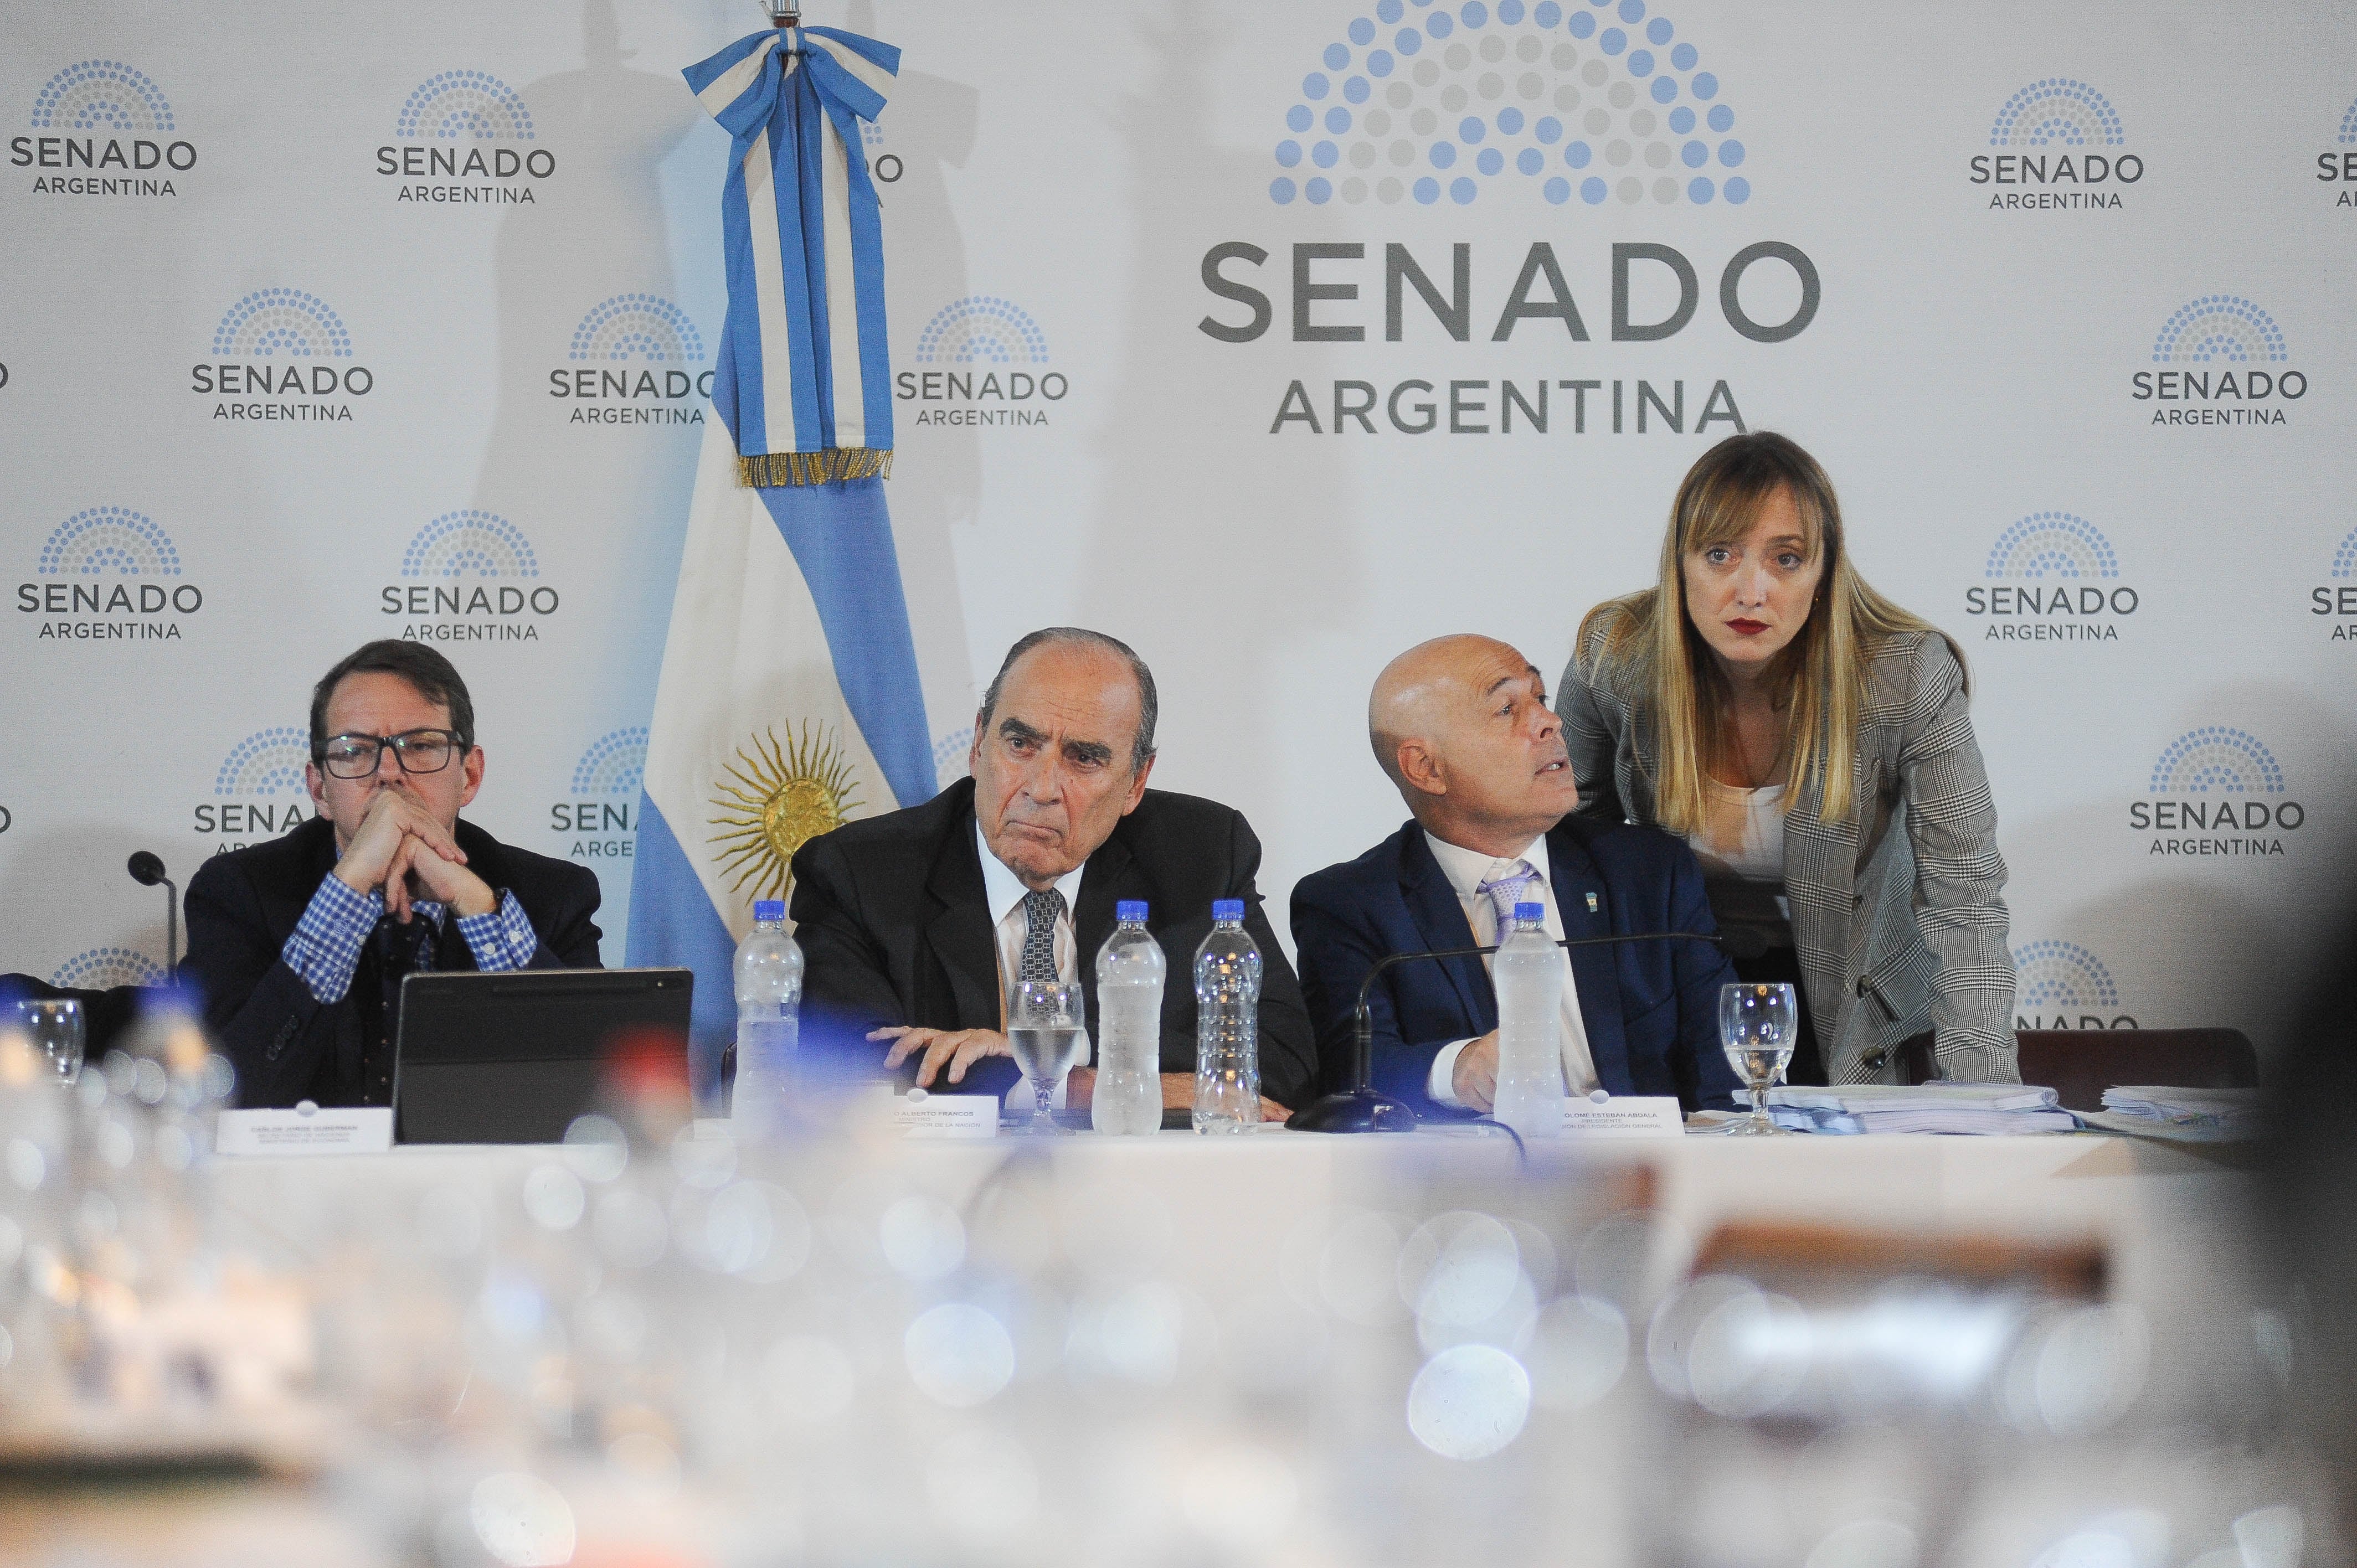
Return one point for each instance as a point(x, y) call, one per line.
point(1461, 727)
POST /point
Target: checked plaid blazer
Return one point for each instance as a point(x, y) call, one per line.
point(1897, 911)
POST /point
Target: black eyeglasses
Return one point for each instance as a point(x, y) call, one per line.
point(419, 750)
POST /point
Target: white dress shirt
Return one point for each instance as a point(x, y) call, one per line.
point(1467, 869)
point(1003, 891)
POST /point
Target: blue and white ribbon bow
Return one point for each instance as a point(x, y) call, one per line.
point(803, 380)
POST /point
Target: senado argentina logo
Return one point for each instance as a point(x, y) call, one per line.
point(1422, 101)
point(2062, 985)
point(2216, 780)
point(2220, 354)
point(1424, 108)
point(463, 137)
point(599, 815)
point(282, 355)
point(108, 574)
point(2052, 577)
point(2337, 597)
point(258, 792)
point(470, 576)
point(635, 358)
point(100, 969)
point(2339, 168)
point(2055, 146)
point(102, 128)
point(982, 359)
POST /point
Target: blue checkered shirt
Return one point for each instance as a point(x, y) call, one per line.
point(326, 946)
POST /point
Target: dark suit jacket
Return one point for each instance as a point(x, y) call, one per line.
point(895, 929)
point(1651, 1009)
point(286, 1044)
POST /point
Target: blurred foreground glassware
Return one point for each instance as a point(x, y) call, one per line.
point(1046, 1022)
point(1756, 1025)
point(56, 1026)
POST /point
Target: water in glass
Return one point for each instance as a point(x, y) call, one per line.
point(1047, 1026)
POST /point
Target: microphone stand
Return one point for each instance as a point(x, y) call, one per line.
point(1361, 1107)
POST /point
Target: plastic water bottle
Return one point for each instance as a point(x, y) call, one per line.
point(1528, 973)
point(1130, 971)
point(769, 1000)
point(1227, 1024)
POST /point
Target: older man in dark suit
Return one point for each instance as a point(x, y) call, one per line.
point(299, 946)
point(916, 923)
point(1461, 727)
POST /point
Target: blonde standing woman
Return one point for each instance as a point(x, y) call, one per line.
point(1809, 740)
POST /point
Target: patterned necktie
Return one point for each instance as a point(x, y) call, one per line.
point(1039, 912)
point(1508, 889)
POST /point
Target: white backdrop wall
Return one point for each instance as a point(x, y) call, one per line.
point(1999, 371)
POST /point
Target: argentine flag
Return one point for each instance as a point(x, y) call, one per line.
point(788, 702)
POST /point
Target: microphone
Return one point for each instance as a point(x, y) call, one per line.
point(1360, 1107)
point(148, 869)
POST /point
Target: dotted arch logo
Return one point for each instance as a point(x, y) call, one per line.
point(273, 321)
point(2219, 327)
point(102, 95)
point(463, 105)
point(109, 539)
point(2052, 577)
point(2344, 559)
point(615, 764)
point(258, 792)
point(642, 326)
point(950, 751)
point(2057, 111)
point(469, 542)
point(2062, 985)
point(267, 762)
point(101, 968)
point(470, 575)
point(982, 330)
point(1596, 98)
point(2216, 758)
point(2061, 974)
point(599, 816)
point(107, 575)
point(2052, 544)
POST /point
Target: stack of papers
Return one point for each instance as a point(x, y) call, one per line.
point(2223, 1115)
point(1979, 1108)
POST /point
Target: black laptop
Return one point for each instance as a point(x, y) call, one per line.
point(513, 1058)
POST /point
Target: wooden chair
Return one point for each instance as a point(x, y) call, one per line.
point(2080, 1064)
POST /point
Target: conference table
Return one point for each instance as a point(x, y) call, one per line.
point(670, 1349)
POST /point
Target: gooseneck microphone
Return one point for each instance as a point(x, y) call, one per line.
point(148, 869)
point(1360, 1107)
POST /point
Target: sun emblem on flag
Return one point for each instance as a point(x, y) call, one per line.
point(782, 796)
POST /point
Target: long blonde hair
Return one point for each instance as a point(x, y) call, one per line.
point(1823, 669)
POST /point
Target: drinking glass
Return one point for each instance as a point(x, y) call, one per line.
point(1756, 1028)
point(56, 1028)
point(1047, 1023)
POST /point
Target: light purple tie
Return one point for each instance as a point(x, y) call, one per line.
point(1506, 891)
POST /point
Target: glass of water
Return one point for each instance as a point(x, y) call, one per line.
point(56, 1028)
point(1047, 1023)
point(1756, 1028)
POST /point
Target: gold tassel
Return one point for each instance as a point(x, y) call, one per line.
point(764, 470)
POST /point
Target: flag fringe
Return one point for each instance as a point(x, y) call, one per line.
point(765, 470)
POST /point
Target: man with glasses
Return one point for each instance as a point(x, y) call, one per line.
point(299, 946)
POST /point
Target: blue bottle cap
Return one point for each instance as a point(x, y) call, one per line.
point(1535, 913)
point(1227, 908)
point(766, 909)
point(1130, 911)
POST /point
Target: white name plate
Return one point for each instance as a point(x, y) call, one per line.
point(307, 1130)
point(922, 1115)
point(1624, 1116)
